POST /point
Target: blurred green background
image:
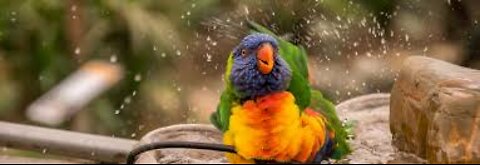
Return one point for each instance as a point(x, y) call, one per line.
point(173, 52)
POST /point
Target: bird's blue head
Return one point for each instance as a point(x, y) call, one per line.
point(257, 68)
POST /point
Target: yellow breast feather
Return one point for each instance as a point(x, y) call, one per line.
point(272, 128)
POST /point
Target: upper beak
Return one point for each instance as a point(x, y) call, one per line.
point(265, 60)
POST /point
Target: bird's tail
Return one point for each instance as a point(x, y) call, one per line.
point(326, 150)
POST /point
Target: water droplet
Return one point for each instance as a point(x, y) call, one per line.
point(355, 44)
point(350, 136)
point(188, 13)
point(113, 58)
point(214, 43)
point(77, 51)
point(13, 19)
point(127, 100)
point(155, 48)
point(246, 10)
point(138, 77)
point(163, 55)
point(407, 38)
point(209, 57)
point(133, 135)
point(44, 151)
point(179, 53)
point(117, 112)
point(134, 93)
point(73, 8)
point(179, 89)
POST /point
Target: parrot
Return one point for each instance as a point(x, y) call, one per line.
point(268, 110)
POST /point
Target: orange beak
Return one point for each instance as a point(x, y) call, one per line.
point(265, 60)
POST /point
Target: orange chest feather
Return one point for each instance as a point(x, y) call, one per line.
point(272, 128)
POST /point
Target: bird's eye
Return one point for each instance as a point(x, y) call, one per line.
point(244, 52)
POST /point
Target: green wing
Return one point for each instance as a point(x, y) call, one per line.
point(327, 108)
point(221, 117)
point(296, 57)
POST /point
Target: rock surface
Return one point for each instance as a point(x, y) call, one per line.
point(182, 132)
point(372, 141)
point(435, 111)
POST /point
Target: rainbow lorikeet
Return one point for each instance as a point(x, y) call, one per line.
point(268, 110)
